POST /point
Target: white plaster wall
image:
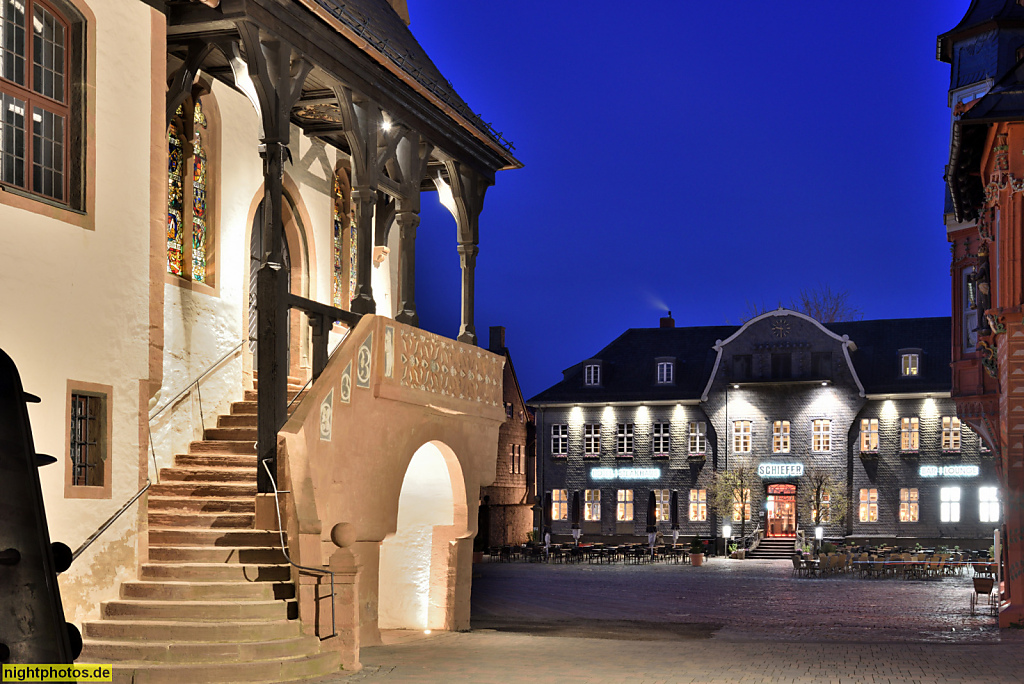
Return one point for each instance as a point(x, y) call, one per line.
point(426, 501)
point(75, 305)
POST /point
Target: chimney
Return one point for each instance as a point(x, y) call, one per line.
point(666, 322)
point(497, 338)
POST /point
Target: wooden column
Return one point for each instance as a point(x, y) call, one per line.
point(467, 259)
point(411, 155)
point(468, 188)
point(277, 80)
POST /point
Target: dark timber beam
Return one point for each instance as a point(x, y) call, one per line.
point(277, 77)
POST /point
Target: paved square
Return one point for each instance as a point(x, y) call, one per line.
point(729, 621)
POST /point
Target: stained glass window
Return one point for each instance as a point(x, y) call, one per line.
point(339, 245)
point(352, 270)
point(188, 194)
point(199, 197)
point(175, 156)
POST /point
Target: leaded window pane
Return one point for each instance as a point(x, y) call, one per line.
point(47, 153)
point(12, 140)
point(12, 40)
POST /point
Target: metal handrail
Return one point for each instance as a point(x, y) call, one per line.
point(297, 395)
point(202, 375)
point(110, 521)
point(284, 550)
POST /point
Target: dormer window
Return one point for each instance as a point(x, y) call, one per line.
point(666, 371)
point(592, 374)
point(910, 364)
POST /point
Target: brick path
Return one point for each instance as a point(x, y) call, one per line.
point(730, 621)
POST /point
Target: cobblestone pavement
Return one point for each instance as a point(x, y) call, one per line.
point(729, 621)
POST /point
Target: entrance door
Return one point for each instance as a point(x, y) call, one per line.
point(781, 510)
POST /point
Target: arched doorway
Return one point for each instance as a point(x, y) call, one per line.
point(416, 589)
point(294, 249)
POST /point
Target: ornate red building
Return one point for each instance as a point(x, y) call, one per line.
point(985, 226)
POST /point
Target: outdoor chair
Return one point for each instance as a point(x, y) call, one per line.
point(983, 587)
point(798, 566)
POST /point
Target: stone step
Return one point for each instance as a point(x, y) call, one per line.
point(243, 408)
point(239, 420)
point(225, 554)
point(250, 395)
point(213, 537)
point(110, 650)
point(215, 461)
point(223, 446)
point(193, 611)
point(215, 572)
point(211, 475)
point(195, 631)
point(168, 590)
point(220, 490)
point(241, 521)
point(183, 503)
point(251, 672)
point(234, 434)
point(292, 380)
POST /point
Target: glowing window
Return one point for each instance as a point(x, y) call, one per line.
point(190, 192)
point(950, 433)
point(909, 364)
point(910, 434)
point(559, 439)
point(988, 500)
point(698, 505)
point(741, 436)
point(868, 511)
point(821, 436)
point(624, 505)
point(559, 504)
point(592, 504)
point(662, 499)
point(909, 505)
point(949, 504)
point(698, 438)
point(740, 504)
point(780, 437)
point(869, 434)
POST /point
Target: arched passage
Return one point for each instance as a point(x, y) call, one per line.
point(416, 587)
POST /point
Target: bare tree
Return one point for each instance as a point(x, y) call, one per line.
point(730, 494)
point(826, 306)
point(823, 499)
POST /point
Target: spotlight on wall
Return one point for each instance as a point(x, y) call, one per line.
point(735, 386)
point(824, 384)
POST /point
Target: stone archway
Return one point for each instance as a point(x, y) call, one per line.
point(416, 588)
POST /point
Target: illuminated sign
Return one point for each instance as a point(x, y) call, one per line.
point(625, 473)
point(780, 469)
point(950, 471)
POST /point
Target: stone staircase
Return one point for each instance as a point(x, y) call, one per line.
point(215, 602)
point(774, 548)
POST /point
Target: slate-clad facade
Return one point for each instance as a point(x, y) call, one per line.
point(782, 395)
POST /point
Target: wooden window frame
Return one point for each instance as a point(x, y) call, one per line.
point(106, 393)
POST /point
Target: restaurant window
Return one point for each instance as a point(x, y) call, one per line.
point(741, 436)
point(909, 505)
point(910, 434)
point(661, 439)
point(949, 504)
point(592, 439)
point(592, 374)
point(624, 505)
point(909, 364)
point(740, 505)
point(662, 498)
point(950, 433)
point(780, 437)
point(869, 434)
point(592, 504)
point(624, 440)
point(868, 505)
point(559, 504)
point(559, 439)
point(698, 438)
point(698, 505)
point(821, 436)
point(988, 501)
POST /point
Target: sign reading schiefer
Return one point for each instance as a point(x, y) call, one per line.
point(780, 469)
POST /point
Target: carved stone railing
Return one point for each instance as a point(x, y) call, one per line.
point(343, 454)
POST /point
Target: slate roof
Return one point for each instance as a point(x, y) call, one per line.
point(1004, 102)
point(628, 363)
point(979, 13)
point(877, 359)
point(376, 22)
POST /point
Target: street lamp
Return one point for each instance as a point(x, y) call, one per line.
point(727, 533)
point(819, 532)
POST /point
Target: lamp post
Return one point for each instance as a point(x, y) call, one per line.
point(727, 533)
point(819, 532)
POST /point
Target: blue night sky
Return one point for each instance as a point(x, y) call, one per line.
point(693, 157)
